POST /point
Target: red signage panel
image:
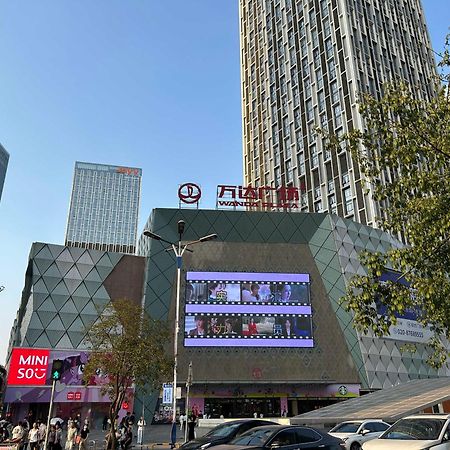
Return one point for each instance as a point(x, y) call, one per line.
point(28, 366)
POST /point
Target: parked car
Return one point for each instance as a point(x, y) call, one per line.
point(289, 437)
point(224, 433)
point(355, 432)
point(419, 432)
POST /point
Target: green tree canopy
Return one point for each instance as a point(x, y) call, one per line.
point(404, 153)
point(128, 348)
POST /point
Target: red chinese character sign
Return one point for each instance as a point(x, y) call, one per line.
point(28, 366)
point(264, 197)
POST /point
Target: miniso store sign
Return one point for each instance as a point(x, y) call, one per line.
point(28, 366)
point(248, 197)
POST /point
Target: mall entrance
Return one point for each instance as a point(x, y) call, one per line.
point(242, 407)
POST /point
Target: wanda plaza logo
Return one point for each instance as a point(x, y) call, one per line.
point(28, 366)
point(250, 197)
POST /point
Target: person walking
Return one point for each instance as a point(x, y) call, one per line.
point(192, 422)
point(33, 437)
point(182, 419)
point(58, 437)
point(71, 436)
point(140, 430)
point(82, 437)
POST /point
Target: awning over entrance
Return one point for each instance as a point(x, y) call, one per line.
point(388, 404)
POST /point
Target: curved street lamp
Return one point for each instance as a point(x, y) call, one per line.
point(178, 248)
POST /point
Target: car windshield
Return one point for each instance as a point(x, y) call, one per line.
point(254, 437)
point(346, 427)
point(223, 430)
point(425, 429)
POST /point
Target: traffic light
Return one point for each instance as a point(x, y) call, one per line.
point(57, 369)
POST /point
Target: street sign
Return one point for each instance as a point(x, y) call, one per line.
point(167, 393)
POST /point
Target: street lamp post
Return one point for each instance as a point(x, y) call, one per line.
point(178, 248)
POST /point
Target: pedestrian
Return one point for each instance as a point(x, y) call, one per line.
point(182, 418)
point(83, 435)
point(105, 423)
point(71, 436)
point(140, 430)
point(127, 438)
point(42, 432)
point(33, 437)
point(51, 437)
point(192, 422)
point(58, 437)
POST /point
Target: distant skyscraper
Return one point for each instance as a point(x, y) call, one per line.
point(4, 158)
point(104, 207)
point(303, 64)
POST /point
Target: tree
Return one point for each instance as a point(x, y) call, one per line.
point(404, 154)
point(128, 348)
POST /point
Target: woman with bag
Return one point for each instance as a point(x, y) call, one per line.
point(71, 436)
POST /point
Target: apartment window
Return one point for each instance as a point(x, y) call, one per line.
point(330, 186)
point(307, 87)
point(329, 48)
point(348, 201)
point(316, 58)
point(318, 206)
point(291, 37)
point(286, 127)
point(309, 110)
point(304, 199)
point(334, 92)
point(289, 171)
point(326, 27)
point(277, 176)
point(345, 179)
point(283, 86)
point(337, 116)
point(314, 38)
point(301, 28)
point(297, 118)
point(331, 68)
point(314, 156)
point(296, 96)
point(317, 192)
point(321, 100)
point(301, 163)
point(319, 78)
point(275, 134)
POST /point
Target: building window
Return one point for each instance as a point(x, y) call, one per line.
point(301, 163)
point(348, 201)
point(330, 186)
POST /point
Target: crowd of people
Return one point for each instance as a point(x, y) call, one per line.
point(25, 435)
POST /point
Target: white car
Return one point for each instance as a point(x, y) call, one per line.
point(355, 432)
point(419, 432)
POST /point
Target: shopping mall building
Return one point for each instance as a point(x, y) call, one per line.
point(260, 315)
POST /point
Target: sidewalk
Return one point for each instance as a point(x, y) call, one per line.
point(155, 436)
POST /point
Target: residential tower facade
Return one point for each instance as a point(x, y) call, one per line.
point(303, 65)
point(104, 207)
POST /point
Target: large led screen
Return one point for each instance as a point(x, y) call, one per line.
point(238, 309)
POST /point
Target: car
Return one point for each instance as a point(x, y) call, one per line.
point(418, 432)
point(355, 432)
point(279, 437)
point(224, 433)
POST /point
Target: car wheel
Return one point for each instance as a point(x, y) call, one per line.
point(355, 446)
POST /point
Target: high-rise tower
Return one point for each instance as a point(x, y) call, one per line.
point(303, 64)
point(4, 158)
point(104, 207)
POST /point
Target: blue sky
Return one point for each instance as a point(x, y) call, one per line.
point(144, 83)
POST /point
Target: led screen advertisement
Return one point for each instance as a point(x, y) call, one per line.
point(238, 309)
